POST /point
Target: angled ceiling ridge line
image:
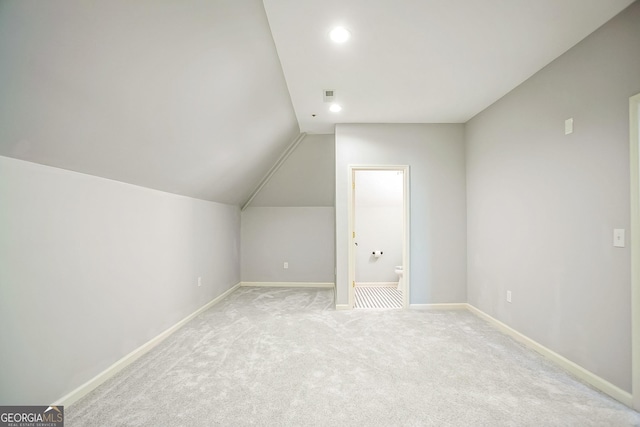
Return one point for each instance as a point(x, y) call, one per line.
point(283, 158)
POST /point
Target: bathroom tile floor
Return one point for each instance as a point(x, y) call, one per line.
point(377, 297)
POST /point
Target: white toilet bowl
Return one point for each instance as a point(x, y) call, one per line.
point(399, 271)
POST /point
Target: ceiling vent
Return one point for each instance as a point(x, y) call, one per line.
point(328, 95)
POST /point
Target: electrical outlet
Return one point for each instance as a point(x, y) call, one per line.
point(199, 281)
point(285, 265)
point(508, 296)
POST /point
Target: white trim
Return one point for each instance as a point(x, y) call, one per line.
point(447, 306)
point(634, 152)
point(406, 247)
point(351, 260)
point(406, 229)
point(112, 370)
point(577, 370)
point(288, 284)
point(283, 158)
point(340, 307)
point(376, 284)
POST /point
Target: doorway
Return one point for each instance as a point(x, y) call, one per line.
point(379, 237)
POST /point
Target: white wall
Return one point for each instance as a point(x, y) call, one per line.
point(435, 154)
point(378, 228)
point(301, 236)
point(379, 218)
point(91, 268)
point(542, 206)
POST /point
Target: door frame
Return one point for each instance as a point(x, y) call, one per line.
point(406, 246)
point(634, 149)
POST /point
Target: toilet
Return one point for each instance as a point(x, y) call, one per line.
point(399, 272)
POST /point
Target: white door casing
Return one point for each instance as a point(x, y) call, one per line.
point(406, 256)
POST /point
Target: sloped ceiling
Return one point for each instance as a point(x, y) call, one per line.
point(190, 97)
point(182, 96)
point(420, 61)
point(306, 178)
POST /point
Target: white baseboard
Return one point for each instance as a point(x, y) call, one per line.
point(577, 370)
point(93, 383)
point(447, 306)
point(289, 284)
point(377, 284)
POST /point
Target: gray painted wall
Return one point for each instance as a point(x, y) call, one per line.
point(91, 269)
point(306, 178)
point(542, 206)
point(292, 219)
point(435, 153)
point(301, 236)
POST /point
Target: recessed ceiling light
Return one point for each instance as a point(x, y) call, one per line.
point(339, 34)
point(335, 108)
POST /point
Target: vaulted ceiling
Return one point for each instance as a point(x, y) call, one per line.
point(194, 97)
point(182, 96)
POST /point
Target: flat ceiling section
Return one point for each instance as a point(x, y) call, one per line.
point(429, 61)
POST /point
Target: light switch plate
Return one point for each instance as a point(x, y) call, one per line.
point(568, 126)
point(618, 237)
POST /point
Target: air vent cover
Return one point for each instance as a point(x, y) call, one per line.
point(328, 95)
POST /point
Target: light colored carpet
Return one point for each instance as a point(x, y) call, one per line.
point(377, 297)
point(283, 357)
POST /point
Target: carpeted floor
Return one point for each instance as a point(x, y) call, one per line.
point(284, 357)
